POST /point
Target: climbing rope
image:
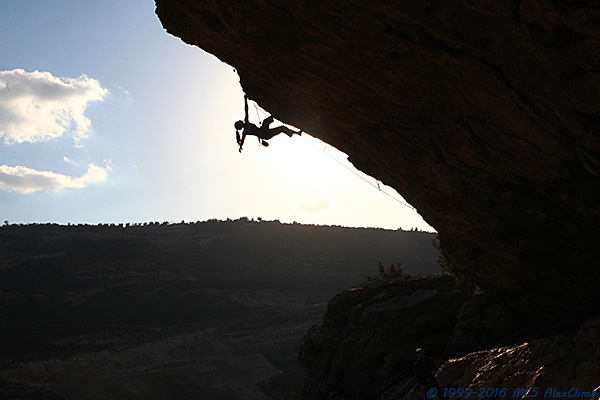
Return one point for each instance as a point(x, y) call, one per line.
point(376, 185)
point(256, 108)
point(460, 315)
point(261, 142)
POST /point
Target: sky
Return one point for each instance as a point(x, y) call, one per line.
point(106, 118)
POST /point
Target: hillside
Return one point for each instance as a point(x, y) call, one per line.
point(207, 307)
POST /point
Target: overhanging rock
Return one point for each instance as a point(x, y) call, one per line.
point(483, 114)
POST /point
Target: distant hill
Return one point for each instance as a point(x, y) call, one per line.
point(81, 288)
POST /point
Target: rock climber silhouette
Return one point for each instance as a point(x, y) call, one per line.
point(263, 132)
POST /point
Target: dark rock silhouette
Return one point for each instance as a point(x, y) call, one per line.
point(367, 339)
point(483, 114)
point(364, 347)
point(549, 366)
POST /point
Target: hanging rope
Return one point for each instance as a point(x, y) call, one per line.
point(376, 186)
point(256, 108)
point(261, 142)
point(460, 315)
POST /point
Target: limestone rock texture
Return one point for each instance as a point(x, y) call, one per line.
point(483, 114)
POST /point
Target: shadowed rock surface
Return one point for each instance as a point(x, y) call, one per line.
point(364, 347)
point(549, 366)
point(368, 336)
point(483, 114)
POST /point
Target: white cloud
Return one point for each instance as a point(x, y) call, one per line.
point(314, 206)
point(69, 161)
point(26, 180)
point(37, 106)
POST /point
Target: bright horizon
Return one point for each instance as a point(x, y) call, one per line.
point(106, 118)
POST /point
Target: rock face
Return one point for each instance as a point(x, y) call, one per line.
point(363, 349)
point(564, 363)
point(367, 339)
point(484, 114)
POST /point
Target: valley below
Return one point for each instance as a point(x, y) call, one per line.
point(212, 310)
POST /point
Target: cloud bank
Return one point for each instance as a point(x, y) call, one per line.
point(26, 180)
point(37, 106)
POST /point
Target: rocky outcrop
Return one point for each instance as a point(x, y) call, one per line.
point(483, 114)
point(368, 336)
point(364, 346)
point(566, 365)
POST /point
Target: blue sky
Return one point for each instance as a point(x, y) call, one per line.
point(104, 117)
